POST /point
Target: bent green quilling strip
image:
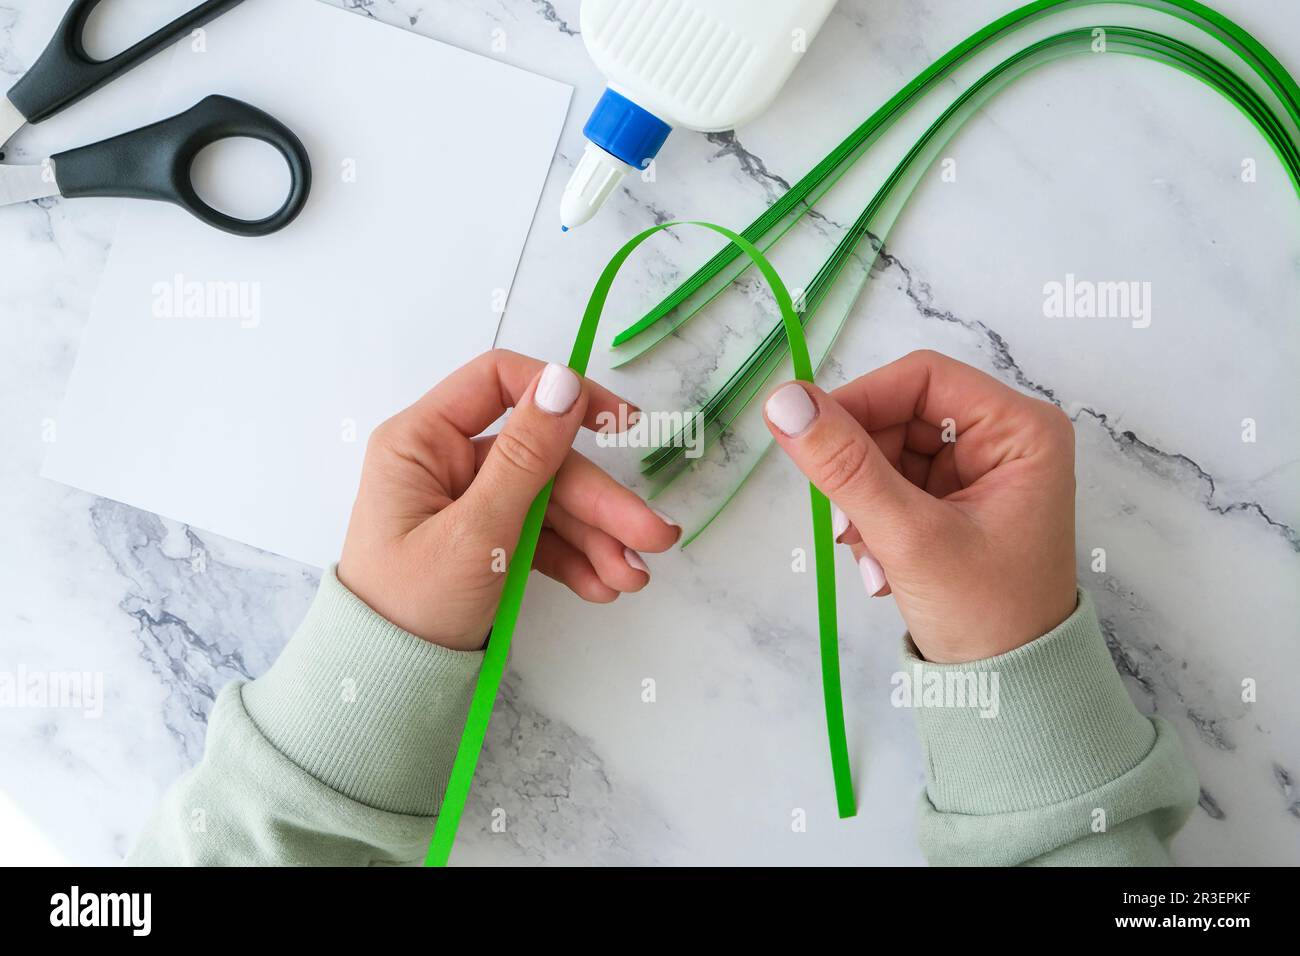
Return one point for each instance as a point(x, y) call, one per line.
point(1280, 129)
point(494, 660)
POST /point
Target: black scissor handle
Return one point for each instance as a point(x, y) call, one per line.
point(154, 162)
point(64, 73)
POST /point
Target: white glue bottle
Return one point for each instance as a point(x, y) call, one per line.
point(707, 65)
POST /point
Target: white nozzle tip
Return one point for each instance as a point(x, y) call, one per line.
point(596, 176)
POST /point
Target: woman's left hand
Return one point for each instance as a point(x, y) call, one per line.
point(439, 510)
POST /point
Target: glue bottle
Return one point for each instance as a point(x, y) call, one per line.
point(707, 65)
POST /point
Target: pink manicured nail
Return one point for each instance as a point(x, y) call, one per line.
point(790, 409)
point(839, 521)
point(557, 389)
point(873, 575)
point(665, 519)
point(635, 561)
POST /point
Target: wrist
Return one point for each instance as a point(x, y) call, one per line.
point(992, 622)
point(406, 606)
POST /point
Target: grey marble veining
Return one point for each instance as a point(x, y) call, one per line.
point(200, 622)
point(1110, 171)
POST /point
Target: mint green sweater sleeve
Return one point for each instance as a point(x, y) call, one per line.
point(1065, 772)
point(338, 755)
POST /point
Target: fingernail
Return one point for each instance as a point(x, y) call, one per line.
point(557, 389)
point(839, 521)
point(790, 409)
point(665, 519)
point(873, 575)
point(635, 561)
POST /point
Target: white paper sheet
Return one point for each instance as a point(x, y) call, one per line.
point(428, 165)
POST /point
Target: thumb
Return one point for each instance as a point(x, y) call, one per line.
point(837, 455)
point(528, 451)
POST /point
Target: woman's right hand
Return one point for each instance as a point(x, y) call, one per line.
point(955, 492)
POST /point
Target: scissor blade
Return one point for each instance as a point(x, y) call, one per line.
point(25, 183)
point(11, 121)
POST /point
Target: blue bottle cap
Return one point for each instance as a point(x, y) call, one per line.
point(625, 130)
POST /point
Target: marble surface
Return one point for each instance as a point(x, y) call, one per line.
point(1110, 171)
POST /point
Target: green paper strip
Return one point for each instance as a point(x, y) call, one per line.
point(1281, 129)
point(873, 226)
point(800, 197)
point(512, 595)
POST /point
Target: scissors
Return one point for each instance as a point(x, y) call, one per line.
point(152, 162)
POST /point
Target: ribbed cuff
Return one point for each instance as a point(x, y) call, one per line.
point(1059, 723)
point(368, 709)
